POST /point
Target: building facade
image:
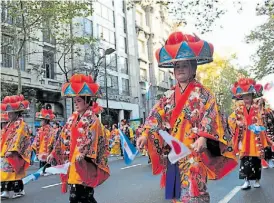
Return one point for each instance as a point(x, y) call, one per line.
point(152, 29)
point(41, 77)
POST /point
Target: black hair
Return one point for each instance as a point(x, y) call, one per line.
point(87, 99)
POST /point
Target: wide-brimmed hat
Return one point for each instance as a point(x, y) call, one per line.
point(45, 113)
point(182, 47)
point(246, 86)
point(14, 103)
point(80, 85)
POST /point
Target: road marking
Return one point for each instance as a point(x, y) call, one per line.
point(131, 166)
point(230, 195)
point(51, 185)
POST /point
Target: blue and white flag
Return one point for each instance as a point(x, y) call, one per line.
point(33, 176)
point(59, 169)
point(34, 157)
point(130, 152)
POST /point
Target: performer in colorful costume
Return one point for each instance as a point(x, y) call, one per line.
point(15, 147)
point(115, 137)
point(189, 113)
point(82, 142)
point(268, 118)
point(249, 136)
point(45, 137)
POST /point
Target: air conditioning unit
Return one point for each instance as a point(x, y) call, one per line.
point(52, 106)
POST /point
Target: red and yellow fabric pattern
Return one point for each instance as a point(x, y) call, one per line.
point(43, 142)
point(83, 137)
point(188, 116)
point(15, 138)
point(246, 142)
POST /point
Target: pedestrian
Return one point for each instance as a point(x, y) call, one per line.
point(249, 144)
point(189, 113)
point(115, 137)
point(268, 118)
point(45, 136)
point(82, 142)
point(15, 147)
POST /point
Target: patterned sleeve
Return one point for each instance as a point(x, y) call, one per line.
point(21, 142)
point(232, 123)
point(154, 121)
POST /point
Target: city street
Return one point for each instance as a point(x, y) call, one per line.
point(135, 184)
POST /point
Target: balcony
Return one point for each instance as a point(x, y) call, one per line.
point(52, 84)
point(143, 78)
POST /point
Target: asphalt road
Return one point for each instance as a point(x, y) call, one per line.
point(136, 184)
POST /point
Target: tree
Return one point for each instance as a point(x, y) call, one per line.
point(219, 76)
point(264, 34)
point(204, 12)
point(22, 20)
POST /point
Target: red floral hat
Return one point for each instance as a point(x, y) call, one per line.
point(14, 103)
point(246, 86)
point(4, 118)
point(80, 85)
point(182, 47)
point(45, 113)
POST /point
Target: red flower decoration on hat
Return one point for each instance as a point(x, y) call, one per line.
point(14, 103)
point(45, 113)
point(246, 86)
point(80, 85)
point(181, 47)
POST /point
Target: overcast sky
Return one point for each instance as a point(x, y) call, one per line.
point(231, 38)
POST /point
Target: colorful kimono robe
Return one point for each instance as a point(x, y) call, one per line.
point(188, 116)
point(15, 137)
point(43, 141)
point(115, 149)
point(250, 146)
point(246, 142)
point(268, 118)
point(83, 136)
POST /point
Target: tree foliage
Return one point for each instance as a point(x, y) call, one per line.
point(264, 34)
point(205, 12)
point(219, 76)
point(21, 20)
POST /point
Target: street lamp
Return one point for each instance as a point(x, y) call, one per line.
point(107, 52)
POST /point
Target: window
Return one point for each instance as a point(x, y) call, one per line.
point(121, 22)
point(7, 51)
point(88, 57)
point(87, 24)
point(6, 17)
point(47, 36)
point(104, 12)
point(123, 43)
point(110, 15)
point(106, 34)
point(113, 88)
point(139, 18)
point(161, 76)
point(97, 8)
point(141, 47)
point(22, 59)
point(123, 63)
point(125, 86)
point(143, 74)
point(48, 63)
point(111, 61)
point(121, 6)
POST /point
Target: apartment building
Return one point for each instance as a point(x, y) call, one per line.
point(152, 29)
point(42, 78)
